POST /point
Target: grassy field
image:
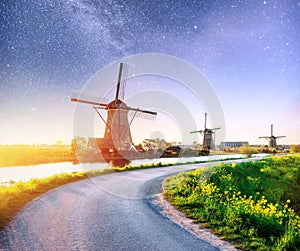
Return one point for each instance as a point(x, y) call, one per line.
point(22, 155)
point(254, 204)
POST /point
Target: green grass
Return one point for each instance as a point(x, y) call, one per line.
point(254, 204)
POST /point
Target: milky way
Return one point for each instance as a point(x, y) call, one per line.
point(249, 50)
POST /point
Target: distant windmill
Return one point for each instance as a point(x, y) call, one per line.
point(272, 139)
point(117, 145)
point(207, 137)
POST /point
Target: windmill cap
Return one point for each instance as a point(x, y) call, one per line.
point(117, 104)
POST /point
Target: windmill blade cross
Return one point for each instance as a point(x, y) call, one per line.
point(205, 119)
point(119, 81)
point(201, 131)
point(144, 111)
point(271, 129)
point(88, 99)
point(123, 81)
point(280, 137)
point(138, 114)
point(99, 107)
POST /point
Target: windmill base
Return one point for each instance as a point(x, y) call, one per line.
point(204, 152)
point(118, 162)
point(122, 158)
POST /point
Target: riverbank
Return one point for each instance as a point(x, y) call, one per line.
point(12, 174)
point(29, 155)
point(254, 204)
point(14, 197)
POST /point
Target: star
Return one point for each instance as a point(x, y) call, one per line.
point(51, 48)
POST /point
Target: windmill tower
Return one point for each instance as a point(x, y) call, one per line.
point(117, 145)
point(272, 139)
point(208, 140)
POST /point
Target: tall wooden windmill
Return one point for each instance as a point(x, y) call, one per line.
point(116, 146)
point(207, 137)
point(272, 139)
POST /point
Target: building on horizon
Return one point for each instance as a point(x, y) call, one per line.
point(233, 144)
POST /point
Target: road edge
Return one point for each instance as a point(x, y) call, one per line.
point(167, 210)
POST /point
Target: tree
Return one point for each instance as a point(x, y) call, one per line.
point(58, 142)
point(78, 143)
point(248, 150)
point(158, 144)
point(295, 149)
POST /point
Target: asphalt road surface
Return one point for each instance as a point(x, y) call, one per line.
point(110, 212)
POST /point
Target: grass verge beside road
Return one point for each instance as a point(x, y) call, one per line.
point(13, 198)
point(254, 204)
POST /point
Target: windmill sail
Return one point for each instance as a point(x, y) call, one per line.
point(207, 133)
point(272, 139)
point(119, 81)
point(88, 99)
point(117, 135)
point(123, 81)
point(143, 115)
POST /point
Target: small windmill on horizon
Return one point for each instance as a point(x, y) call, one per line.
point(272, 139)
point(208, 140)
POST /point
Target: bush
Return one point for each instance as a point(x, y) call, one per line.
point(248, 150)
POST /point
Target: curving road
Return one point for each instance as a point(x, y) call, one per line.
point(110, 212)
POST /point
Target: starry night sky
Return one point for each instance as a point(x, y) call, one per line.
point(248, 50)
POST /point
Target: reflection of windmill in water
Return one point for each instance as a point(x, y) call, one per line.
point(117, 146)
point(208, 141)
point(272, 139)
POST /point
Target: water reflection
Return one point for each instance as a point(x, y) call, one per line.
point(24, 173)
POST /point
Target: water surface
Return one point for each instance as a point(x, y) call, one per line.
point(24, 173)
